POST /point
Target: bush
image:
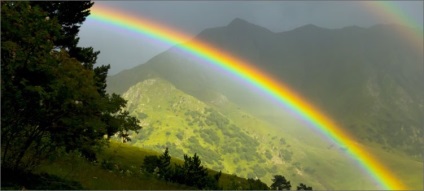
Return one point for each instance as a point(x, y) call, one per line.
point(286, 155)
point(142, 116)
point(259, 171)
point(89, 154)
point(180, 135)
point(106, 164)
point(282, 141)
point(150, 163)
point(268, 154)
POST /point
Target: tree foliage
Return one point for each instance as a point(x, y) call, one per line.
point(195, 174)
point(303, 187)
point(190, 173)
point(256, 184)
point(70, 15)
point(280, 183)
point(52, 97)
point(150, 163)
point(165, 165)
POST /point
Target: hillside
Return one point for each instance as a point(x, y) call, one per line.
point(123, 173)
point(231, 140)
point(176, 120)
point(366, 78)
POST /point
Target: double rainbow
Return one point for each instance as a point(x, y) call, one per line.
point(245, 71)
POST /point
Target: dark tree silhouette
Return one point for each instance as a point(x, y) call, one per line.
point(256, 184)
point(194, 172)
point(303, 187)
point(51, 97)
point(165, 165)
point(150, 163)
point(280, 183)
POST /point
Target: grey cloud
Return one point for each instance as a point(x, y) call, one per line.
point(124, 50)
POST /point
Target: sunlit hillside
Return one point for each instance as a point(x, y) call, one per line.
point(236, 142)
point(330, 68)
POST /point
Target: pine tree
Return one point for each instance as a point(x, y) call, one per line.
point(195, 174)
point(165, 165)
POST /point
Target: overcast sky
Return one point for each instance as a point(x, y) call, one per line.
point(123, 51)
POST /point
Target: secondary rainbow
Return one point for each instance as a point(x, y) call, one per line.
point(388, 10)
point(245, 71)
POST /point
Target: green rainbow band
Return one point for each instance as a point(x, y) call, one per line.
point(255, 77)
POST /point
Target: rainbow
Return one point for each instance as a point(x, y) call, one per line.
point(245, 71)
point(388, 10)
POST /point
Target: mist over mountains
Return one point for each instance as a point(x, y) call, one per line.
point(369, 80)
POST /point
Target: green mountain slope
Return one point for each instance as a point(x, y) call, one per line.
point(368, 79)
point(231, 140)
point(187, 125)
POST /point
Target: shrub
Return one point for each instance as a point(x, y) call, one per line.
point(268, 154)
point(150, 163)
point(180, 135)
point(106, 164)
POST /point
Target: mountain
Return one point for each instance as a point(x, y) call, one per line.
point(235, 142)
point(184, 124)
point(368, 79)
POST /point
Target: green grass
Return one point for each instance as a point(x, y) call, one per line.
point(94, 177)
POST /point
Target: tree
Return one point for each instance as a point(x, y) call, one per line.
point(150, 163)
point(280, 183)
point(70, 15)
point(212, 182)
point(165, 165)
point(178, 174)
point(303, 187)
point(194, 172)
point(50, 99)
point(256, 184)
point(26, 44)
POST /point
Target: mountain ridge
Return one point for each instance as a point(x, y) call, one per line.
point(369, 71)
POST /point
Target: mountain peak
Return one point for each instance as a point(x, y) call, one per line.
point(310, 27)
point(242, 26)
point(238, 22)
point(305, 29)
